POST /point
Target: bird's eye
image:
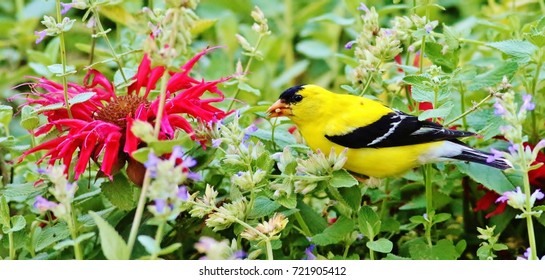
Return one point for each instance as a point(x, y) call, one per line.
point(297, 98)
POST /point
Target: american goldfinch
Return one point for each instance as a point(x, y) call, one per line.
point(381, 141)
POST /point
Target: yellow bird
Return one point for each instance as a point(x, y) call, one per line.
point(381, 141)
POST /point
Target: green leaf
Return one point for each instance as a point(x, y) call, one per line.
point(440, 112)
point(492, 178)
point(119, 14)
point(113, 246)
point(141, 155)
point(521, 51)
point(419, 81)
point(314, 49)
point(170, 249)
point(493, 76)
point(315, 223)
point(381, 245)
point(82, 97)
point(451, 38)
point(263, 207)
point(4, 212)
point(119, 192)
point(289, 202)
point(441, 217)
point(248, 88)
point(448, 61)
point(21, 192)
point(290, 74)
point(29, 120)
point(281, 137)
point(120, 81)
point(443, 250)
point(50, 235)
point(6, 113)
point(334, 233)
point(148, 243)
point(368, 222)
point(165, 146)
point(57, 69)
point(352, 196)
point(18, 223)
point(202, 25)
point(334, 19)
point(342, 179)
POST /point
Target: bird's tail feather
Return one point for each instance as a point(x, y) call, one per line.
point(481, 157)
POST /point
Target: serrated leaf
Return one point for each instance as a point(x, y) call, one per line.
point(418, 81)
point(448, 61)
point(4, 212)
point(18, 223)
point(451, 38)
point(422, 95)
point(342, 179)
point(521, 51)
point(334, 233)
point(113, 246)
point(87, 221)
point(63, 244)
point(368, 222)
point(443, 250)
point(281, 137)
point(440, 112)
point(493, 76)
point(21, 192)
point(148, 243)
point(289, 202)
point(492, 178)
point(381, 245)
point(352, 196)
point(119, 192)
point(50, 235)
point(315, 223)
point(263, 207)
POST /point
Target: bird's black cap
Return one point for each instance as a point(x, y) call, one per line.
point(289, 93)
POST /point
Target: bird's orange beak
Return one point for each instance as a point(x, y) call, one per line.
point(279, 109)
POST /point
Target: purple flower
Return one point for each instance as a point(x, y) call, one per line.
point(527, 103)
point(194, 176)
point(537, 195)
point(499, 110)
point(349, 45)
point(189, 162)
point(513, 148)
point(388, 32)
point(216, 142)
point(43, 204)
point(430, 26)
point(160, 205)
point(66, 7)
point(183, 194)
point(177, 153)
point(496, 155)
point(41, 35)
point(308, 252)
point(238, 255)
point(251, 129)
point(363, 7)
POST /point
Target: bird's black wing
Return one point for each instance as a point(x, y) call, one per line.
point(396, 129)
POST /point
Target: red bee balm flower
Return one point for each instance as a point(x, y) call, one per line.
point(100, 127)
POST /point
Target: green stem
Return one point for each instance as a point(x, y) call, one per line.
point(273, 128)
point(303, 224)
point(528, 206)
point(11, 246)
point(139, 211)
point(385, 200)
point(535, 134)
point(246, 69)
point(366, 85)
point(475, 107)
point(541, 5)
point(110, 46)
point(463, 105)
point(63, 62)
point(72, 226)
point(346, 248)
point(428, 170)
point(372, 253)
point(422, 52)
point(158, 239)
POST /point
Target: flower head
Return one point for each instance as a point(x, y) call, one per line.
point(41, 35)
point(527, 104)
point(100, 130)
point(308, 252)
point(66, 7)
point(349, 45)
point(363, 7)
point(499, 110)
point(43, 204)
point(496, 155)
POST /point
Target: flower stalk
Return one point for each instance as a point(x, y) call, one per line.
point(62, 47)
